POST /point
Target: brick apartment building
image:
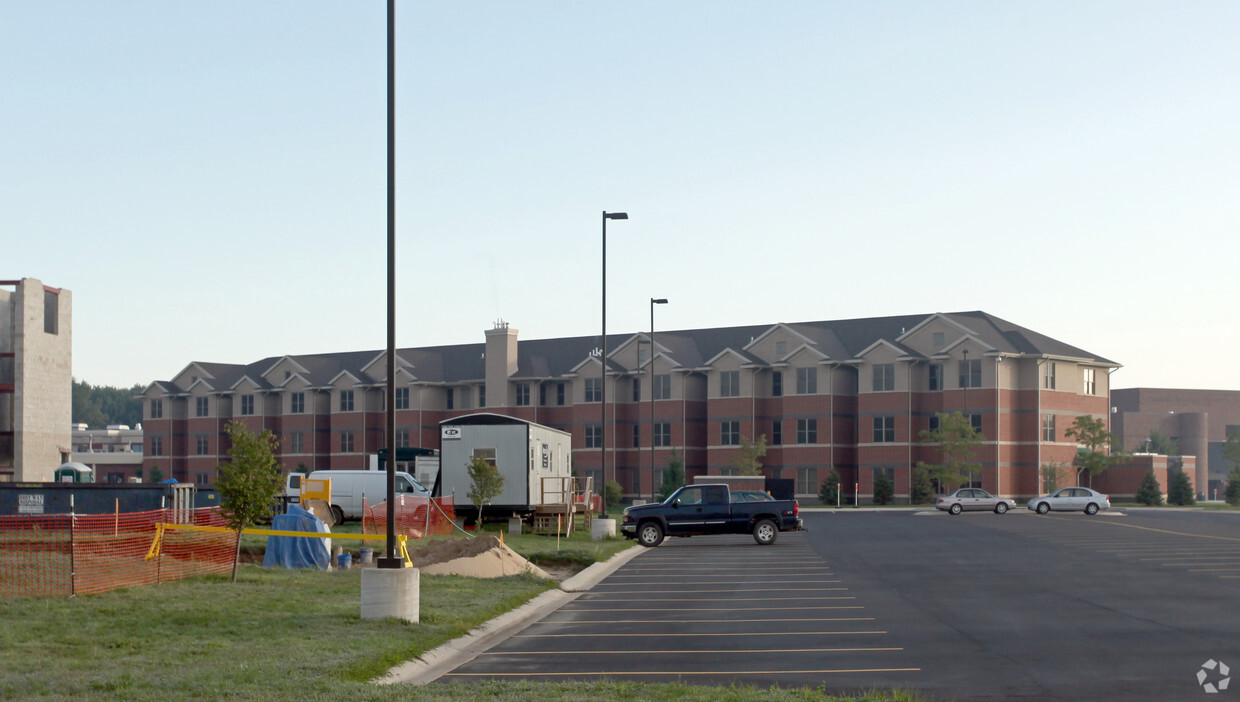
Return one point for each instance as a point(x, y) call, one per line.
point(36, 379)
point(853, 394)
point(1199, 420)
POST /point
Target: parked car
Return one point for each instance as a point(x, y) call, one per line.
point(966, 499)
point(1071, 499)
point(697, 510)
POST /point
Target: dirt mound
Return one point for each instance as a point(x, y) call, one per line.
point(481, 557)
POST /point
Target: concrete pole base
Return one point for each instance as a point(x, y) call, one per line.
point(602, 529)
point(391, 592)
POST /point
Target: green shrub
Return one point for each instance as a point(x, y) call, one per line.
point(922, 491)
point(1180, 489)
point(829, 491)
point(1149, 492)
point(884, 491)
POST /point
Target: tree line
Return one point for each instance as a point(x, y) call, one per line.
point(97, 406)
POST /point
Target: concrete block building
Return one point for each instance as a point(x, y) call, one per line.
point(36, 379)
point(850, 394)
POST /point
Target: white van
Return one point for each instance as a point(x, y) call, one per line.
point(350, 486)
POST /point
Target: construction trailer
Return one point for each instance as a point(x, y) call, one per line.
point(535, 460)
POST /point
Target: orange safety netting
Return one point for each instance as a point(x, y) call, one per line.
point(415, 516)
point(63, 555)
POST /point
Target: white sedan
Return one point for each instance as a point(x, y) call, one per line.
point(1071, 499)
point(973, 499)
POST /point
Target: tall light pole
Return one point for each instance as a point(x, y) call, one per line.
point(653, 302)
point(390, 559)
point(603, 427)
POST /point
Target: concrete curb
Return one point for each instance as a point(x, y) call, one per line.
point(457, 652)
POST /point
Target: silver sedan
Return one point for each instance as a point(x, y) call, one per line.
point(973, 499)
point(1071, 499)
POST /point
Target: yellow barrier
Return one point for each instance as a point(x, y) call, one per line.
point(157, 542)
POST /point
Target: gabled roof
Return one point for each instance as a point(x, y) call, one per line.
point(839, 341)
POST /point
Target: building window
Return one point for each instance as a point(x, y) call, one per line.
point(402, 398)
point(1048, 375)
point(637, 436)
point(730, 384)
point(559, 394)
point(971, 373)
point(402, 438)
point(807, 481)
point(346, 400)
point(449, 399)
point(1091, 386)
point(936, 376)
point(884, 377)
point(641, 356)
point(247, 405)
point(884, 430)
point(730, 433)
point(201, 445)
point(777, 432)
point(662, 433)
point(777, 384)
point(523, 394)
point(594, 389)
point(201, 407)
point(346, 442)
point(157, 445)
point(482, 396)
point(663, 387)
point(807, 381)
point(157, 409)
point(934, 422)
point(51, 311)
point(975, 421)
point(1048, 427)
point(542, 395)
point(297, 403)
point(637, 389)
point(938, 339)
point(807, 431)
point(781, 349)
point(297, 442)
point(594, 436)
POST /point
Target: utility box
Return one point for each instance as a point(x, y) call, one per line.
point(524, 452)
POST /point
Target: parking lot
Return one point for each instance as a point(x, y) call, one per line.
point(1123, 605)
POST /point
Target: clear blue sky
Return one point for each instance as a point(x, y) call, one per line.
point(209, 178)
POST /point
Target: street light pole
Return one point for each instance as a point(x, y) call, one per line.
point(390, 558)
point(653, 302)
point(603, 375)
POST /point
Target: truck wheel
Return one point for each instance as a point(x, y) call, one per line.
point(649, 534)
point(764, 532)
point(337, 516)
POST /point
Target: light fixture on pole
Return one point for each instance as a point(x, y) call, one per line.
point(603, 373)
point(653, 425)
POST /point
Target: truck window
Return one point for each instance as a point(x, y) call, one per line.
point(403, 485)
point(716, 495)
point(690, 496)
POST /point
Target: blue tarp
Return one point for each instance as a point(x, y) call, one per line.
point(295, 551)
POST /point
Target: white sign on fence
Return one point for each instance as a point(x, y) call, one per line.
point(30, 504)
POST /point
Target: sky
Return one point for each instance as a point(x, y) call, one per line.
point(209, 179)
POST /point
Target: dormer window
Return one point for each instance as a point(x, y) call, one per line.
point(781, 348)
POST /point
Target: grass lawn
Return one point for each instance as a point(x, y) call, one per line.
point(286, 634)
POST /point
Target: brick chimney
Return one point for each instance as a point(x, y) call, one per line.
point(501, 362)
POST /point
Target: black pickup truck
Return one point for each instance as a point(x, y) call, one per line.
point(696, 510)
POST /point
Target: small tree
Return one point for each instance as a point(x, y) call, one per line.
point(748, 459)
point(673, 477)
point(485, 483)
point(1049, 473)
point(1180, 489)
point(1149, 492)
point(1158, 442)
point(957, 440)
point(829, 491)
point(922, 490)
point(614, 492)
point(249, 482)
point(156, 474)
point(883, 489)
point(1231, 454)
point(1093, 439)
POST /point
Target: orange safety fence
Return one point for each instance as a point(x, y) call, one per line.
point(415, 516)
point(65, 555)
